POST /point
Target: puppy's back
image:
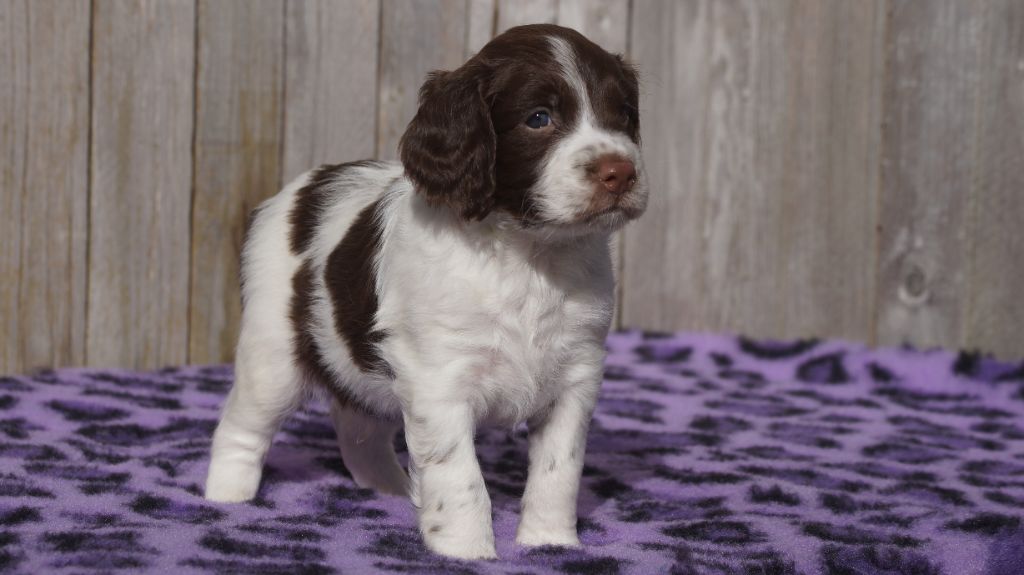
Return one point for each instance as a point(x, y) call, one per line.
point(291, 237)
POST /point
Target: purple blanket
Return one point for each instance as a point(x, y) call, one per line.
point(708, 454)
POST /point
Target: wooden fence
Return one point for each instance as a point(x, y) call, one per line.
point(826, 168)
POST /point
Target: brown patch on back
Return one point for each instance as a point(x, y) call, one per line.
point(311, 199)
point(352, 284)
point(307, 354)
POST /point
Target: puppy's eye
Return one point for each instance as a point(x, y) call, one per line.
point(538, 120)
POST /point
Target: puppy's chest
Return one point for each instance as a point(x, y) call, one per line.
point(526, 328)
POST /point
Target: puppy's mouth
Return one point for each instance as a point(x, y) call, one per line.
point(613, 213)
point(605, 206)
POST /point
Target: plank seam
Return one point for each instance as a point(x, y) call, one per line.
point(380, 66)
point(88, 182)
point(283, 119)
point(967, 323)
point(873, 338)
point(192, 192)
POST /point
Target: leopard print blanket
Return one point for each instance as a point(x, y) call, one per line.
point(708, 455)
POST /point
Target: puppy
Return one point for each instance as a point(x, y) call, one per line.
point(469, 284)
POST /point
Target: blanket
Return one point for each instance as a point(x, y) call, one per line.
point(708, 454)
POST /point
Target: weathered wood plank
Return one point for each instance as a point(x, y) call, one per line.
point(417, 36)
point(480, 22)
point(237, 153)
point(143, 54)
point(996, 319)
point(331, 89)
point(518, 12)
point(662, 286)
point(759, 130)
point(44, 130)
point(606, 22)
point(931, 92)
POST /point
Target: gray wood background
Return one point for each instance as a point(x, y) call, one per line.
point(819, 167)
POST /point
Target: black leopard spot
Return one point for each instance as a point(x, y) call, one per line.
point(220, 542)
point(839, 503)
point(14, 486)
point(721, 359)
point(929, 493)
point(880, 373)
point(773, 494)
point(966, 363)
point(853, 535)
point(596, 566)
point(824, 369)
point(7, 401)
point(242, 567)
point(302, 535)
point(723, 425)
point(30, 452)
point(656, 354)
point(610, 488)
point(775, 350)
point(19, 515)
point(163, 508)
point(840, 560)
point(136, 382)
point(136, 400)
point(12, 384)
point(17, 428)
point(11, 553)
point(73, 410)
point(1005, 499)
point(691, 477)
point(986, 523)
point(721, 532)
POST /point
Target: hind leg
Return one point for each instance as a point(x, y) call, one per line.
point(368, 449)
point(267, 389)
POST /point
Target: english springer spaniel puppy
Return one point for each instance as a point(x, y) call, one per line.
point(469, 284)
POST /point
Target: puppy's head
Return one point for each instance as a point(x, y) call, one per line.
point(542, 125)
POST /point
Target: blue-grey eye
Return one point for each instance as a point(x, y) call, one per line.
point(538, 120)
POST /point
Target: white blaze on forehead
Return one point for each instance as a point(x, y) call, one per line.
point(566, 58)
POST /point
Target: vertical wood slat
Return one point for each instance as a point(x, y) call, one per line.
point(417, 36)
point(518, 12)
point(239, 83)
point(143, 64)
point(759, 123)
point(662, 284)
point(44, 130)
point(996, 312)
point(331, 89)
point(480, 22)
point(605, 22)
point(931, 94)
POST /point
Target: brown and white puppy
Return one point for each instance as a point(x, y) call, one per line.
point(469, 284)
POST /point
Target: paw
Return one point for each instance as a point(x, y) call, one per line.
point(472, 547)
point(537, 536)
point(232, 483)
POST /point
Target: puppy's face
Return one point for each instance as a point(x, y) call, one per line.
point(541, 125)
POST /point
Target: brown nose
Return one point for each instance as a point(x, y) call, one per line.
point(617, 174)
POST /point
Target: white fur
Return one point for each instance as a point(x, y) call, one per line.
point(487, 322)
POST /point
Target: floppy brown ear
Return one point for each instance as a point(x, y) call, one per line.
point(449, 147)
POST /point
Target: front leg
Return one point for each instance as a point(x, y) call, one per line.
point(558, 439)
point(448, 488)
